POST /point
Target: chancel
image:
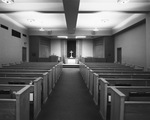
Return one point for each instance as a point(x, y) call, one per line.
point(71, 60)
point(71, 52)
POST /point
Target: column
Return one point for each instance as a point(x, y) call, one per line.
point(148, 41)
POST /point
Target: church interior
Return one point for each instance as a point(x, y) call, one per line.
point(74, 59)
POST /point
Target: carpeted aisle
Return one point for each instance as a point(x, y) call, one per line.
point(70, 99)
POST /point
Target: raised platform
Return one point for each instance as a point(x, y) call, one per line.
point(71, 61)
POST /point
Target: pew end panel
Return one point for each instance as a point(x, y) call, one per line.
point(45, 88)
point(16, 107)
point(117, 102)
point(91, 81)
point(23, 103)
point(37, 96)
point(96, 88)
point(103, 98)
point(50, 81)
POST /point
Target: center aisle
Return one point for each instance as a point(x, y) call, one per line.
point(70, 99)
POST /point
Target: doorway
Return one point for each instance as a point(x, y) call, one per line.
point(119, 55)
point(71, 48)
point(24, 54)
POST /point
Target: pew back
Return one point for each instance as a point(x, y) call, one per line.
point(128, 109)
point(18, 107)
point(105, 85)
point(28, 74)
point(36, 83)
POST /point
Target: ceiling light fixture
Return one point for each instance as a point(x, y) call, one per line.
point(95, 29)
point(122, 1)
point(80, 37)
point(104, 20)
point(30, 20)
point(8, 1)
point(63, 37)
point(41, 29)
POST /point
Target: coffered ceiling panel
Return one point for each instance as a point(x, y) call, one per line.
point(73, 16)
point(33, 5)
point(113, 5)
point(35, 20)
point(101, 20)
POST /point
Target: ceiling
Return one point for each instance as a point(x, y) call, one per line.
point(73, 17)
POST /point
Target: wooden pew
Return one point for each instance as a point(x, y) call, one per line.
point(125, 106)
point(94, 82)
point(105, 84)
point(55, 68)
point(37, 90)
point(112, 72)
point(14, 102)
point(121, 72)
point(35, 64)
point(106, 65)
point(29, 74)
point(49, 79)
point(116, 68)
point(95, 68)
point(116, 74)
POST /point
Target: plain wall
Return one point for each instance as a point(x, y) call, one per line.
point(56, 47)
point(10, 46)
point(98, 47)
point(44, 47)
point(133, 44)
point(87, 48)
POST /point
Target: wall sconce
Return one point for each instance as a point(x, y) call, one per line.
point(123, 1)
point(8, 1)
point(25, 43)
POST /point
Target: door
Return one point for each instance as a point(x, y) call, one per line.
point(119, 55)
point(24, 54)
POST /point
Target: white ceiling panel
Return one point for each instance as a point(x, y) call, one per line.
point(114, 7)
point(73, 15)
point(36, 1)
point(32, 7)
point(102, 20)
point(37, 20)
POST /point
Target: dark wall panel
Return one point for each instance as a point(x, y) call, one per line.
point(71, 46)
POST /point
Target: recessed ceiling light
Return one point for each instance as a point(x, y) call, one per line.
point(30, 20)
point(95, 29)
point(123, 1)
point(8, 1)
point(80, 37)
point(104, 20)
point(63, 37)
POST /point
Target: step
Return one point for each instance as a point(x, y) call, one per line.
point(70, 65)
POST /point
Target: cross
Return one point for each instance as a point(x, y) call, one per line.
point(71, 54)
